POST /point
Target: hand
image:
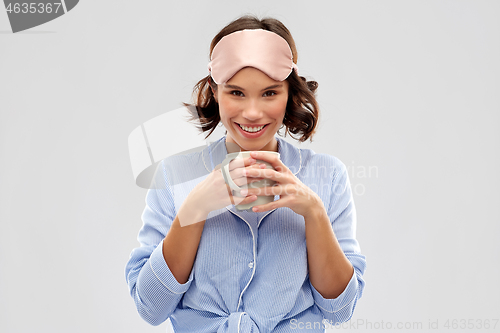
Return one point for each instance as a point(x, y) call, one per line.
point(293, 193)
point(213, 193)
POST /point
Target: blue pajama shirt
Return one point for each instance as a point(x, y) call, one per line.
point(250, 272)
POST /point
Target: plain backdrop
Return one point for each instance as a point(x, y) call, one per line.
point(409, 98)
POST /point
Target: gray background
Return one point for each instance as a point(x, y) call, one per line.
point(409, 89)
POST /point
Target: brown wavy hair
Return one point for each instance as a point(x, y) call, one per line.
point(302, 111)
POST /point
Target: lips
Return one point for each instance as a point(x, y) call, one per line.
point(252, 128)
point(251, 135)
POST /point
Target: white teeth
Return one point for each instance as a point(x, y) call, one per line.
point(251, 129)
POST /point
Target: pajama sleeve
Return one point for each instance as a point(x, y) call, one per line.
point(342, 214)
point(154, 289)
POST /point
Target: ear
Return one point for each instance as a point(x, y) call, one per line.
point(214, 92)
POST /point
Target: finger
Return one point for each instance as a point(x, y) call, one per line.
point(272, 159)
point(248, 199)
point(270, 190)
point(241, 163)
point(282, 202)
point(238, 200)
point(267, 173)
point(254, 180)
point(240, 178)
point(245, 181)
point(239, 194)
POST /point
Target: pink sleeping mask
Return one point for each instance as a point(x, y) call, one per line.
point(257, 48)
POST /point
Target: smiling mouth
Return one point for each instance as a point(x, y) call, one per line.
point(253, 129)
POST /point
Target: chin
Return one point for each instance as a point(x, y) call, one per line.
point(255, 145)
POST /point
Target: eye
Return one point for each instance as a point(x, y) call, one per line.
point(236, 93)
point(270, 93)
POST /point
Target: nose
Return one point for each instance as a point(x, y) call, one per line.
point(252, 110)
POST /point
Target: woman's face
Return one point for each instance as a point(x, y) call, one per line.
point(252, 99)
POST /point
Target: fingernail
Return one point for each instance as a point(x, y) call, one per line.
point(244, 192)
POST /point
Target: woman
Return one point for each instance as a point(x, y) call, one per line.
point(285, 266)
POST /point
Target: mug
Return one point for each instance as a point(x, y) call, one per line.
point(261, 199)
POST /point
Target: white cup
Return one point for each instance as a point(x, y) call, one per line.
point(261, 199)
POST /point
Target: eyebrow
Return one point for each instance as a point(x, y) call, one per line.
point(232, 86)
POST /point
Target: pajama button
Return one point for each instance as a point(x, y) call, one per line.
point(250, 264)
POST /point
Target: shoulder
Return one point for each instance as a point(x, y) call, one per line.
point(184, 167)
point(186, 158)
point(304, 160)
point(321, 161)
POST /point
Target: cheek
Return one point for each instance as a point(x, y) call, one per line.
point(278, 109)
point(227, 108)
